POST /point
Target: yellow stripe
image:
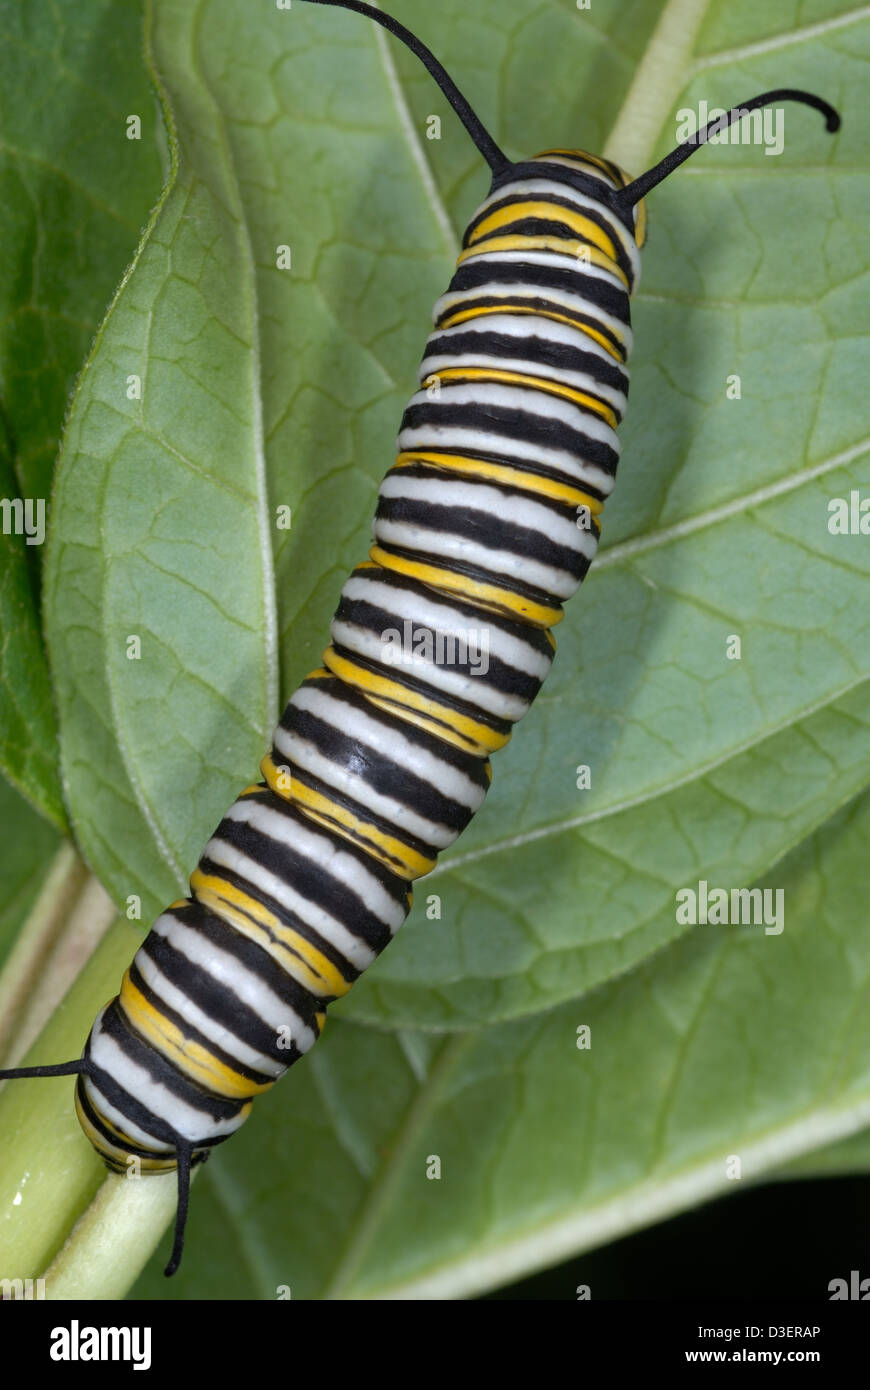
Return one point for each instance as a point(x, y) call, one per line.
point(460, 317)
point(503, 473)
point(539, 383)
point(277, 779)
point(189, 1057)
point(236, 905)
point(390, 851)
point(619, 176)
point(484, 595)
point(447, 723)
point(292, 952)
point(118, 1153)
point(586, 229)
point(640, 222)
point(563, 246)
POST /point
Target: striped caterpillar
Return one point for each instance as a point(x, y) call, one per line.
point(486, 524)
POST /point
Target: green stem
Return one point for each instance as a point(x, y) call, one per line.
point(34, 945)
point(50, 1177)
point(71, 915)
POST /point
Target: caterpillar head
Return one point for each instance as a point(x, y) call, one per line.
point(604, 179)
point(584, 189)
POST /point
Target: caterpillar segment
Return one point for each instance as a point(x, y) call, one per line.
point(486, 524)
point(440, 643)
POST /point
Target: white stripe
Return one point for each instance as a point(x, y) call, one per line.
point(345, 868)
point(353, 948)
point(446, 491)
point(472, 690)
point(526, 399)
point(188, 1121)
point(564, 260)
point(235, 978)
point(388, 744)
point(475, 689)
point(391, 744)
point(544, 189)
point(543, 371)
point(524, 326)
point(106, 1111)
point(487, 501)
point(471, 441)
point(174, 998)
point(498, 565)
point(397, 814)
point(453, 300)
point(588, 167)
point(441, 616)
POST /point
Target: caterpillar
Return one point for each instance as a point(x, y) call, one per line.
point(486, 524)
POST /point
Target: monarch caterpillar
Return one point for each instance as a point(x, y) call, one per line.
point(510, 442)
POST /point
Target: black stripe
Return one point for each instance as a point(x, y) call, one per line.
point(543, 226)
point(373, 614)
point(471, 275)
point(189, 1032)
point(475, 768)
point(389, 580)
point(532, 348)
point(377, 938)
point(306, 877)
point(115, 1140)
point(588, 184)
point(568, 510)
point(499, 676)
point(484, 528)
point(523, 426)
point(378, 771)
point(223, 936)
point(395, 887)
point(216, 1000)
point(161, 1072)
point(540, 307)
point(287, 919)
point(357, 808)
point(444, 698)
point(507, 582)
point(532, 467)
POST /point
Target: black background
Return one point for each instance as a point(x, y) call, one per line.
point(783, 1240)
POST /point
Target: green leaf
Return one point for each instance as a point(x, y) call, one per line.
point(847, 1157)
point(74, 195)
point(28, 729)
point(265, 387)
point(732, 1044)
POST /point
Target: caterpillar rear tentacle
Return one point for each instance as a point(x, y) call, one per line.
point(486, 523)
